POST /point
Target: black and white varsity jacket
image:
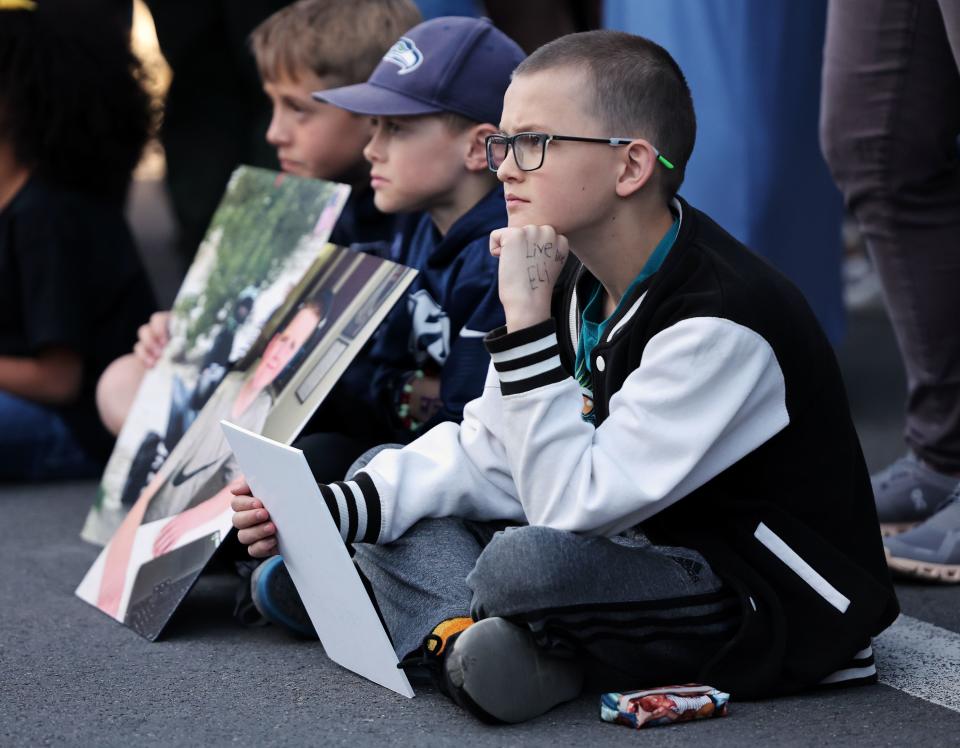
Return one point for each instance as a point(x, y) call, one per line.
point(721, 424)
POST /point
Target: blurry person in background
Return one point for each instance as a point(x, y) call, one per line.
point(891, 119)
point(74, 118)
point(754, 70)
point(533, 23)
point(214, 114)
point(530, 24)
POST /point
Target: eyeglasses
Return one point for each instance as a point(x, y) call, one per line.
point(530, 148)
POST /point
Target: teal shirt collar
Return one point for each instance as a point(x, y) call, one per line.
point(593, 324)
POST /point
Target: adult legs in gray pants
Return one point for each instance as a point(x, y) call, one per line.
point(890, 124)
point(890, 121)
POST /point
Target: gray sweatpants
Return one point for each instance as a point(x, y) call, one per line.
point(636, 614)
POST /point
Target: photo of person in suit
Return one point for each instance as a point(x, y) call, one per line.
point(190, 490)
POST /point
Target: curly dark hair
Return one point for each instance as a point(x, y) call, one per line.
point(72, 100)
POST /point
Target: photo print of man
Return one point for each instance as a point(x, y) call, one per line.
point(264, 240)
point(186, 401)
point(184, 513)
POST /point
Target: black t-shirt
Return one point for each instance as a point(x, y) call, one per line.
point(70, 277)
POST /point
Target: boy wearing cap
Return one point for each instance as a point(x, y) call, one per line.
point(663, 421)
point(433, 100)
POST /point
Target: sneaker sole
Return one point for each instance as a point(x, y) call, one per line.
point(888, 529)
point(506, 675)
point(948, 573)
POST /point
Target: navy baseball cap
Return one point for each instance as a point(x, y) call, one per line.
point(447, 64)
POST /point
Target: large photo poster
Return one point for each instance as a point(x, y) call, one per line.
point(183, 514)
point(261, 244)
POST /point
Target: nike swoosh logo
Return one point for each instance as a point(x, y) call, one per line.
point(183, 476)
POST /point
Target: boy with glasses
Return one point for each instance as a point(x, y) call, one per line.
point(664, 428)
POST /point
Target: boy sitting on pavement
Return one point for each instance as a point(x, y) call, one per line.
point(664, 424)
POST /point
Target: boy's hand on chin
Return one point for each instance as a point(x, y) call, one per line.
point(531, 259)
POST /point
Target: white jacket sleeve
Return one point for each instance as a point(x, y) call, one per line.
point(453, 470)
point(707, 392)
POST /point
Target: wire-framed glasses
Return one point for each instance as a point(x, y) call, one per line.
point(530, 148)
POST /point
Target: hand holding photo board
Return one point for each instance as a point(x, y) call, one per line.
point(184, 512)
point(262, 242)
point(316, 557)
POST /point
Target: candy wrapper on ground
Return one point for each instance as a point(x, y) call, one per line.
point(663, 706)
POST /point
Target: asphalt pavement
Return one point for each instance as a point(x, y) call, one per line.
point(71, 676)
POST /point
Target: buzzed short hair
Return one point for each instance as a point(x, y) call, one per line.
point(343, 40)
point(637, 87)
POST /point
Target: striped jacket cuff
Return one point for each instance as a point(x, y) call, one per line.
point(526, 359)
point(355, 508)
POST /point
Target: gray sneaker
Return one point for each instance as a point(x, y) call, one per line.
point(497, 672)
point(931, 550)
point(907, 492)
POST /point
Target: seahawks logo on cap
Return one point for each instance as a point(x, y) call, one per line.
point(405, 55)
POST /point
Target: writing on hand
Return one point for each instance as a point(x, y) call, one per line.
point(540, 259)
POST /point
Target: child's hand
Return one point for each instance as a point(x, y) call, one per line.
point(256, 531)
point(531, 259)
point(152, 338)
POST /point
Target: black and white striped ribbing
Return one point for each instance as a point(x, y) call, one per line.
point(355, 507)
point(526, 359)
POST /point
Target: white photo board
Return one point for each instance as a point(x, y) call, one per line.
point(315, 555)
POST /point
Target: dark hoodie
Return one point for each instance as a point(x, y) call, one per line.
point(437, 327)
